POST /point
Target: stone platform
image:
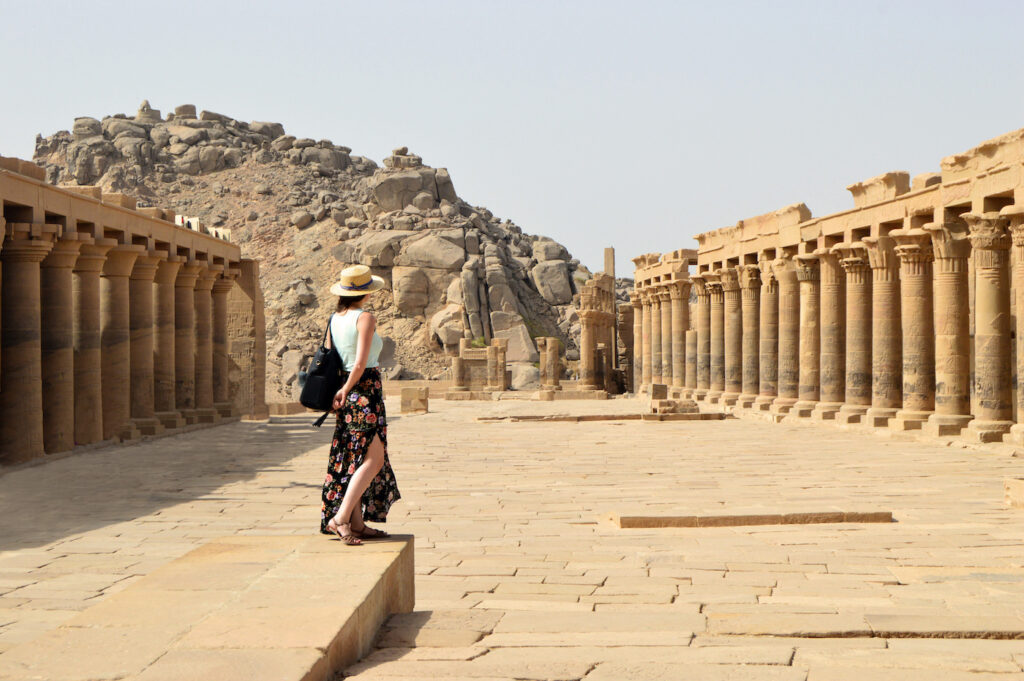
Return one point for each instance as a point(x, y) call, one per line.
point(245, 608)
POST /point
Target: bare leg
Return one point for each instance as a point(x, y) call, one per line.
point(361, 479)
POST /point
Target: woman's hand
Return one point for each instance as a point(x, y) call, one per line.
point(339, 398)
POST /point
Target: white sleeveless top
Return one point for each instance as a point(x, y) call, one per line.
point(345, 337)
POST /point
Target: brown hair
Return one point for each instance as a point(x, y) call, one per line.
point(345, 302)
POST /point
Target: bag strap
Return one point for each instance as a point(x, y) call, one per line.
point(323, 341)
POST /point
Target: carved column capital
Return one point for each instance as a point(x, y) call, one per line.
point(700, 287)
point(949, 240)
point(749, 276)
point(784, 269)
point(807, 267)
point(913, 245)
point(679, 289)
point(728, 277)
point(988, 231)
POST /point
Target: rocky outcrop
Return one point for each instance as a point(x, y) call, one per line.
point(307, 207)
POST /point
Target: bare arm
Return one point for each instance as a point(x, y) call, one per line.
point(365, 325)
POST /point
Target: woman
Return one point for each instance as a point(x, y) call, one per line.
point(360, 484)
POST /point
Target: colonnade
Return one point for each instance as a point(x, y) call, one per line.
point(114, 323)
point(873, 330)
point(597, 310)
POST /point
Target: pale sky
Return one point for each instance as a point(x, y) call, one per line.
point(631, 124)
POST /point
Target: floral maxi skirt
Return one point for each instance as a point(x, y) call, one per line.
point(360, 419)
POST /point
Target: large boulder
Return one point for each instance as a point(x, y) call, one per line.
point(432, 251)
point(524, 376)
point(552, 280)
point(271, 130)
point(411, 289)
point(377, 248)
point(327, 158)
point(397, 190)
point(446, 325)
point(520, 345)
point(187, 135)
point(86, 127)
point(544, 250)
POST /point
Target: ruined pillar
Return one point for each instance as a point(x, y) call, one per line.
point(57, 344)
point(768, 330)
point(221, 364)
point(459, 380)
point(679, 293)
point(185, 341)
point(992, 376)
point(115, 342)
point(717, 333)
point(854, 260)
point(833, 335)
point(789, 335)
point(914, 249)
point(164, 404)
point(656, 330)
point(750, 297)
point(21, 384)
point(732, 336)
point(552, 367)
point(85, 293)
point(588, 350)
point(886, 343)
point(646, 351)
point(809, 389)
point(703, 327)
point(623, 323)
point(141, 294)
point(1016, 217)
point(638, 341)
point(951, 247)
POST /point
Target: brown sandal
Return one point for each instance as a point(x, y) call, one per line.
point(349, 538)
point(371, 533)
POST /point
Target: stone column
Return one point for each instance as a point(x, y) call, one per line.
point(646, 351)
point(57, 344)
point(691, 363)
point(992, 375)
point(185, 341)
point(667, 361)
point(21, 384)
point(833, 335)
point(717, 387)
point(952, 249)
point(552, 367)
point(807, 274)
point(588, 351)
point(733, 336)
point(750, 295)
point(143, 387)
point(85, 292)
point(205, 412)
point(656, 347)
point(115, 342)
point(1016, 217)
point(768, 330)
point(886, 344)
point(221, 365)
point(164, 404)
point(638, 341)
point(914, 249)
point(789, 335)
point(703, 328)
point(853, 258)
point(679, 292)
point(458, 375)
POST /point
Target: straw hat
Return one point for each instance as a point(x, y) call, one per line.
point(357, 281)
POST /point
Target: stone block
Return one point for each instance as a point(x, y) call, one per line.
point(659, 391)
point(1013, 492)
point(414, 401)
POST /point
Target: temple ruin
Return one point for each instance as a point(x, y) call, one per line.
point(899, 313)
point(115, 322)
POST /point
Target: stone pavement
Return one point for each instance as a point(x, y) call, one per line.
point(520, 573)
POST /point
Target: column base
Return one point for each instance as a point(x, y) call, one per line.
point(189, 416)
point(746, 401)
point(851, 413)
point(879, 417)
point(458, 388)
point(128, 433)
point(148, 426)
point(699, 394)
point(713, 396)
point(946, 425)
point(207, 415)
point(225, 409)
point(804, 408)
point(987, 431)
point(783, 405)
point(1016, 435)
point(170, 419)
point(764, 402)
point(826, 411)
point(675, 393)
point(728, 399)
point(909, 420)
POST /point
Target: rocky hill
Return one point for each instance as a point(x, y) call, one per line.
point(307, 207)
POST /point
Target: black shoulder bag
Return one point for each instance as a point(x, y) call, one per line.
point(323, 379)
